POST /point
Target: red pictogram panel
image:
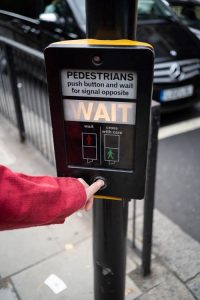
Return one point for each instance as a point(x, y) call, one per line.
point(89, 139)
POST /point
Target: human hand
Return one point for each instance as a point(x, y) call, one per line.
point(90, 191)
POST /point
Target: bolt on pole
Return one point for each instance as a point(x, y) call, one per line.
point(108, 19)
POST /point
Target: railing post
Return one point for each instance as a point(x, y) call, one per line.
point(15, 92)
point(134, 223)
point(107, 19)
point(150, 190)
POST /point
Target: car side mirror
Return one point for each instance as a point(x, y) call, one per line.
point(49, 17)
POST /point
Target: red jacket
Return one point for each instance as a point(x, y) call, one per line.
point(27, 201)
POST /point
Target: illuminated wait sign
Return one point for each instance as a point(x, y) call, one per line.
point(99, 111)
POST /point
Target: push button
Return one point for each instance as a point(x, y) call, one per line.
point(104, 180)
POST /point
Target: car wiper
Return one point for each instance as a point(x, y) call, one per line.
point(167, 18)
point(144, 17)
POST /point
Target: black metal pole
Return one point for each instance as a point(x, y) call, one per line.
point(15, 92)
point(109, 248)
point(150, 190)
point(110, 19)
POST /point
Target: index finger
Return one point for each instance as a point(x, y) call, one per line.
point(93, 188)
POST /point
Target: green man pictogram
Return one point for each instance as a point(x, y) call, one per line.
point(110, 154)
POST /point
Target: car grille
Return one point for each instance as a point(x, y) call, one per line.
point(175, 71)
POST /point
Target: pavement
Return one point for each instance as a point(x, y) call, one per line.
point(55, 262)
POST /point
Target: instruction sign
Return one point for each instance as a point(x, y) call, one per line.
point(100, 116)
point(101, 84)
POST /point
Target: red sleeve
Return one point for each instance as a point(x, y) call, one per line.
point(27, 201)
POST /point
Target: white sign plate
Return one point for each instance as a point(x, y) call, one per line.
point(99, 84)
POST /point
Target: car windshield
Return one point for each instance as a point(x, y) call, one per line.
point(147, 9)
point(81, 5)
point(152, 9)
point(188, 12)
point(78, 8)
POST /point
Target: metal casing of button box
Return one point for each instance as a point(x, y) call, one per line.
point(100, 98)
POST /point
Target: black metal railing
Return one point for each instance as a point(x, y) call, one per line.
point(24, 97)
point(6, 100)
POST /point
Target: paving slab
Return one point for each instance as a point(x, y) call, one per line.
point(5, 157)
point(25, 247)
point(194, 286)
point(21, 157)
point(130, 265)
point(160, 284)
point(76, 228)
point(170, 288)
point(179, 251)
point(73, 266)
point(22, 248)
point(157, 276)
point(132, 291)
point(7, 291)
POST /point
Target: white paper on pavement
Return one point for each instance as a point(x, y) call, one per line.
point(55, 284)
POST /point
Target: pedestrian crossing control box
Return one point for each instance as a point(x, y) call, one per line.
point(100, 99)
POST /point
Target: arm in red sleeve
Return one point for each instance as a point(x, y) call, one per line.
point(27, 201)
